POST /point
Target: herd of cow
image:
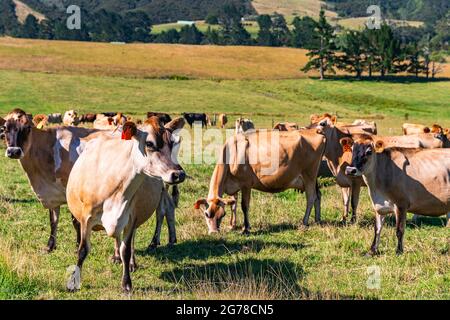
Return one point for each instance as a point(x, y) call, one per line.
point(115, 175)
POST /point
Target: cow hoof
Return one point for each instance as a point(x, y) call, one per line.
point(399, 252)
point(127, 288)
point(48, 249)
point(116, 259)
point(232, 228)
point(246, 233)
point(133, 267)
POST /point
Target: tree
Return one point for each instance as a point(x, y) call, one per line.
point(9, 24)
point(303, 33)
point(389, 51)
point(30, 28)
point(212, 36)
point(265, 36)
point(352, 59)
point(212, 19)
point(137, 27)
point(46, 29)
point(233, 32)
point(280, 30)
point(322, 57)
point(415, 64)
point(437, 60)
point(369, 46)
point(190, 35)
point(169, 36)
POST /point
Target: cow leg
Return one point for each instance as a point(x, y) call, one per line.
point(245, 204)
point(170, 218)
point(125, 254)
point(116, 256)
point(54, 218)
point(83, 251)
point(77, 227)
point(400, 223)
point(356, 190)
point(175, 195)
point(346, 198)
point(133, 264)
point(311, 196)
point(233, 213)
point(379, 221)
point(156, 241)
point(317, 204)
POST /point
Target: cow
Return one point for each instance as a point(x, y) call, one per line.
point(88, 118)
point(223, 120)
point(47, 157)
point(286, 126)
point(109, 123)
point(401, 180)
point(298, 155)
point(410, 128)
point(243, 125)
point(2, 128)
point(338, 157)
point(192, 118)
point(40, 121)
point(71, 118)
point(163, 117)
point(55, 118)
point(115, 186)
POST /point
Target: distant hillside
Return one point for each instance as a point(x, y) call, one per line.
point(160, 11)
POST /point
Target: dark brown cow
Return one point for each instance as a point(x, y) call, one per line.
point(88, 118)
point(163, 117)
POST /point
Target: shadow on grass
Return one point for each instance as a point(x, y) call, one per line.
point(13, 200)
point(389, 79)
point(205, 248)
point(410, 224)
point(276, 228)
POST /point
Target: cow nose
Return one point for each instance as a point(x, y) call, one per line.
point(178, 176)
point(14, 153)
point(351, 171)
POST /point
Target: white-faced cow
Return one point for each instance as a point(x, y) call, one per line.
point(71, 118)
point(244, 125)
point(114, 185)
point(402, 180)
point(297, 156)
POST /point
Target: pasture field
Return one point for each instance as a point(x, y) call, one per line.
point(280, 259)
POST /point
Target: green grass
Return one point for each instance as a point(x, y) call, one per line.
point(280, 259)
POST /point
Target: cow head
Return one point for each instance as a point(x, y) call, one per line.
point(364, 149)
point(325, 120)
point(161, 147)
point(71, 118)
point(214, 211)
point(16, 132)
point(2, 128)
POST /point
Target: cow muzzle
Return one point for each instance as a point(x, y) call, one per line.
point(177, 177)
point(14, 153)
point(353, 172)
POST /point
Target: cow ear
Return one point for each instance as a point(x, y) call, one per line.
point(129, 130)
point(199, 203)
point(426, 130)
point(346, 142)
point(436, 129)
point(175, 124)
point(379, 146)
point(334, 119)
point(2, 121)
point(314, 118)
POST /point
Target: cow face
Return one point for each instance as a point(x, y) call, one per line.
point(326, 120)
point(71, 118)
point(214, 211)
point(363, 154)
point(161, 149)
point(16, 131)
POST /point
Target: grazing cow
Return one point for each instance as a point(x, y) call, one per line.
point(109, 123)
point(338, 157)
point(88, 118)
point(71, 118)
point(244, 125)
point(286, 126)
point(298, 155)
point(40, 121)
point(114, 186)
point(163, 117)
point(223, 120)
point(55, 118)
point(191, 118)
point(402, 180)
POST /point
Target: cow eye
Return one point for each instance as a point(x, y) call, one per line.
point(150, 145)
point(369, 151)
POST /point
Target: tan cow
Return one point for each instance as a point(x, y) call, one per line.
point(114, 185)
point(286, 126)
point(338, 157)
point(71, 118)
point(223, 120)
point(297, 163)
point(103, 122)
point(402, 180)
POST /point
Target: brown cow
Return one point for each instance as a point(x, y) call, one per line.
point(223, 120)
point(88, 118)
point(114, 186)
point(298, 159)
point(402, 180)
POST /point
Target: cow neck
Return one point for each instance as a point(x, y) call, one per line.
point(217, 181)
point(39, 157)
point(333, 153)
point(139, 155)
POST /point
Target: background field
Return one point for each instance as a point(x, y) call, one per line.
point(280, 259)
